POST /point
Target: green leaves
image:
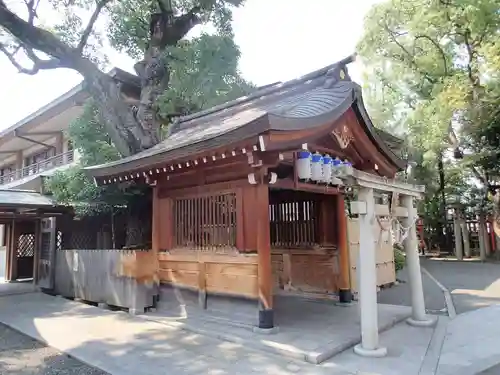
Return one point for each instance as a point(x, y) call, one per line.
point(91, 139)
point(129, 26)
point(434, 66)
point(204, 73)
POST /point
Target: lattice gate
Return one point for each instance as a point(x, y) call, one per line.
point(25, 253)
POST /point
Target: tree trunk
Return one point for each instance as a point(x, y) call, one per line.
point(131, 130)
point(442, 205)
point(155, 76)
point(125, 131)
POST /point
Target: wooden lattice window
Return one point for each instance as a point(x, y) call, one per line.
point(84, 240)
point(26, 245)
point(205, 222)
point(59, 240)
point(294, 224)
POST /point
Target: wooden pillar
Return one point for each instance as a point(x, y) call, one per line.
point(59, 144)
point(156, 235)
point(465, 236)
point(459, 250)
point(480, 234)
point(19, 164)
point(327, 220)
point(367, 275)
point(264, 270)
point(11, 252)
point(487, 241)
point(8, 246)
point(38, 242)
point(156, 223)
point(345, 295)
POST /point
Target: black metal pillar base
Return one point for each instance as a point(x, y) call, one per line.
point(345, 296)
point(266, 318)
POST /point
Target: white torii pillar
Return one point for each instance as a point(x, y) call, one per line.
point(367, 276)
point(419, 317)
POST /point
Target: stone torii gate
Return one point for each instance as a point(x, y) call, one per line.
point(366, 184)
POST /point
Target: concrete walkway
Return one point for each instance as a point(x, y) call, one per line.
point(124, 345)
point(8, 289)
point(401, 295)
point(472, 343)
point(121, 344)
point(309, 330)
point(472, 284)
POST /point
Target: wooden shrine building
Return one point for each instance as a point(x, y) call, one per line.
point(236, 213)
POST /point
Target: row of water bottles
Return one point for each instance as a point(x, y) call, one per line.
point(321, 168)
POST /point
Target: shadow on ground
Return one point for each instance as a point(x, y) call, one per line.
point(21, 355)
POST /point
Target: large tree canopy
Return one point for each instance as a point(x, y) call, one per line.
point(431, 73)
point(70, 34)
point(430, 64)
point(203, 72)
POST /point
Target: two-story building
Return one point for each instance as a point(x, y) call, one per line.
point(38, 145)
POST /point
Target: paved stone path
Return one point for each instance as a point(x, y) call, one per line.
point(495, 370)
point(21, 355)
point(472, 343)
point(400, 294)
point(472, 285)
point(125, 345)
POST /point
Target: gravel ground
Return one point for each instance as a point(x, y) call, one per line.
point(21, 355)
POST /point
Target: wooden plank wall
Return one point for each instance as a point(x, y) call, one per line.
point(234, 271)
point(210, 269)
point(212, 273)
point(311, 271)
point(386, 273)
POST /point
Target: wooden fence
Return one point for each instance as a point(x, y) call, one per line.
point(107, 276)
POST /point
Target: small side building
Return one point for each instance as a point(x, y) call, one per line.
point(236, 213)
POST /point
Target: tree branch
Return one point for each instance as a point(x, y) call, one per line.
point(181, 26)
point(164, 9)
point(33, 37)
point(32, 6)
point(88, 30)
point(38, 64)
point(438, 47)
point(393, 35)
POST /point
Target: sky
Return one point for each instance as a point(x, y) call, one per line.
point(279, 40)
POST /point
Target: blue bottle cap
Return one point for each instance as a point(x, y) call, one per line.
point(316, 158)
point(304, 154)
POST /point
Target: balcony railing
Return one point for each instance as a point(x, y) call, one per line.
point(42, 166)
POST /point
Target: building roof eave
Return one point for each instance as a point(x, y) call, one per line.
point(68, 100)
